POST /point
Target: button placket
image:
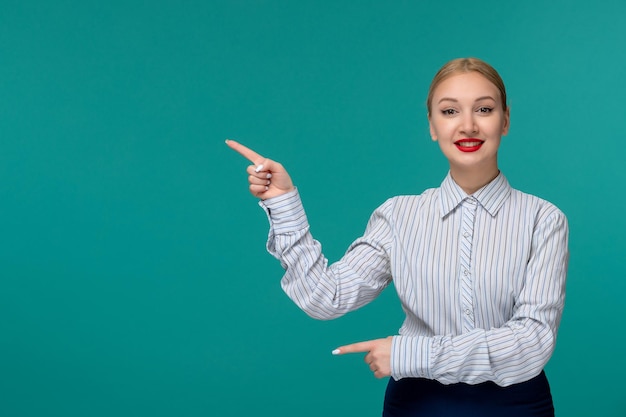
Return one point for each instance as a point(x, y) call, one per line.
point(468, 207)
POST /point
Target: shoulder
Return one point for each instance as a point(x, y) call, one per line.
point(542, 210)
point(407, 205)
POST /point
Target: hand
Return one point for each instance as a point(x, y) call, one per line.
point(378, 354)
point(267, 178)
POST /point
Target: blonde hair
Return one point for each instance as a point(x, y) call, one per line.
point(465, 65)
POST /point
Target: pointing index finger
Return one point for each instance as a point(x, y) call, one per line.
point(244, 151)
point(353, 348)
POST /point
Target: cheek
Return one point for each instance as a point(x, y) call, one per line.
point(494, 128)
point(438, 129)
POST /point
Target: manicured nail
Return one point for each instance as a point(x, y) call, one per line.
point(336, 352)
point(259, 168)
point(268, 176)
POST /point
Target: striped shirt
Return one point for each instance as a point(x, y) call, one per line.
point(481, 278)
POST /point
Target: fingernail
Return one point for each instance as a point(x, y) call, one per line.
point(268, 176)
point(259, 168)
point(336, 352)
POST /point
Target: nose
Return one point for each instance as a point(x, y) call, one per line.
point(468, 124)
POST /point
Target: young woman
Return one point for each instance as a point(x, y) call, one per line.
point(479, 267)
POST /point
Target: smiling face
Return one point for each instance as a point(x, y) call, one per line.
point(468, 119)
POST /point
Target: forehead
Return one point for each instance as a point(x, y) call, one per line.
point(465, 86)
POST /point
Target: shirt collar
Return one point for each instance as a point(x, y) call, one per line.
point(490, 197)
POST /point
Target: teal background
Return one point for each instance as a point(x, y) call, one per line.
point(134, 278)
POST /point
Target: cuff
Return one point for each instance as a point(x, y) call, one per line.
point(285, 212)
point(410, 357)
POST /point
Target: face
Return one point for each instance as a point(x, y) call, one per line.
point(468, 120)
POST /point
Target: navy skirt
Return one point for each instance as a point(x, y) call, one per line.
point(417, 397)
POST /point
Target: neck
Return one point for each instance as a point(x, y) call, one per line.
point(472, 180)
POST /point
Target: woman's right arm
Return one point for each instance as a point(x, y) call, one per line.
point(321, 290)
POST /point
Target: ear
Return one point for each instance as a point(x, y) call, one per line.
point(507, 121)
point(433, 135)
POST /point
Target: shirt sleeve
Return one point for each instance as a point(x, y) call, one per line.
point(321, 290)
point(515, 352)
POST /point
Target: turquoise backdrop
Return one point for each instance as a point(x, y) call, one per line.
point(133, 277)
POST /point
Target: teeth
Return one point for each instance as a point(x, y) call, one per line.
point(469, 144)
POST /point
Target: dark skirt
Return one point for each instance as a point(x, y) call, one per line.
point(417, 397)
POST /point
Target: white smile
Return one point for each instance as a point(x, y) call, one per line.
point(469, 144)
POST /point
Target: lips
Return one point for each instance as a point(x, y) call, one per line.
point(469, 144)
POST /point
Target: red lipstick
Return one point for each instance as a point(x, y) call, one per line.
point(469, 144)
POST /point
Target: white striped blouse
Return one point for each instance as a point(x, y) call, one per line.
point(481, 278)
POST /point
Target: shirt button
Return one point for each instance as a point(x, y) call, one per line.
point(466, 272)
point(467, 311)
point(466, 234)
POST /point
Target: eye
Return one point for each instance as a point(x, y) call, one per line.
point(448, 112)
point(485, 110)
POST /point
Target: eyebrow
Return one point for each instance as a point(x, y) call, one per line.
point(456, 101)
